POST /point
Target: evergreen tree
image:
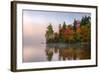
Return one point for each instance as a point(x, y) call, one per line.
point(86, 20)
point(49, 33)
point(64, 25)
point(50, 29)
point(74, 24)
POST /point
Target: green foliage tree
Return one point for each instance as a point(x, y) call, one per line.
point(74, 25)
point(61, 32)
point(49, 33)
point(56, 37)
point(64, 26)
point(85, 20)
point(77, 35)
point(50, 29)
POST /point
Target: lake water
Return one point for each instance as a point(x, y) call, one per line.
point(56, 52)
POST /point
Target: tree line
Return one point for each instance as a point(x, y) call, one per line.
point(79, 31)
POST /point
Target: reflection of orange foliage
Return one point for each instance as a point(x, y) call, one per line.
point(71, 53)
point(83, 54)
point(67, 53)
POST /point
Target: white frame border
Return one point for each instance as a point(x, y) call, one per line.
point(36, 65)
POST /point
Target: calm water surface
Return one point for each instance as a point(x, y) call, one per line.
point(56, 52)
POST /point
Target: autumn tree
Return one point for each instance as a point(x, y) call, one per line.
point(61, 32)
point(85, 33)
point(69, 34)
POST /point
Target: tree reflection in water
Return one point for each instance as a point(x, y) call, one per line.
point(68, 51)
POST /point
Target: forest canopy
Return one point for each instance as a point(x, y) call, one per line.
point(79, 31)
